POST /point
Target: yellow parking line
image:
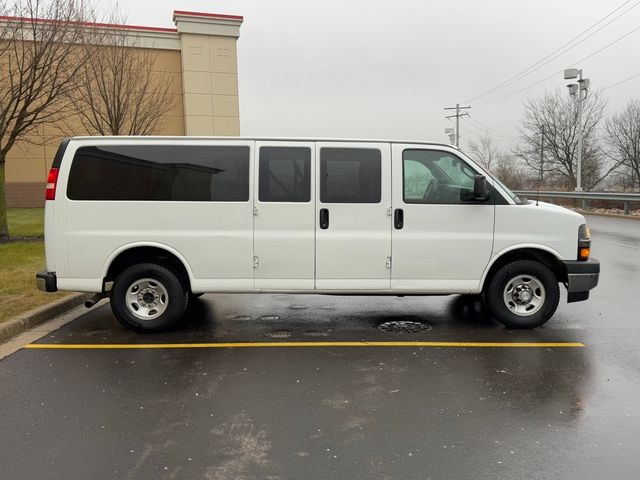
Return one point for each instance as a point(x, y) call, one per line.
point(123, 346)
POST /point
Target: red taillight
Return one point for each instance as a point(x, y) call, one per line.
point(52, 180)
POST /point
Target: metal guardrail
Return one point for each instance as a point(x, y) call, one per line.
point(625, 198)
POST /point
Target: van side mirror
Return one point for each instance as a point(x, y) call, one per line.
point(480, 190)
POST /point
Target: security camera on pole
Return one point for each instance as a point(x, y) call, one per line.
point(452, 135)
point(577, 89)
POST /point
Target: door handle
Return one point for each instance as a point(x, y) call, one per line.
point(324, 218)
point(398, 218)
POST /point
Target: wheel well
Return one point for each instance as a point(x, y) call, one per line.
point(155, 255)
point(546, 258)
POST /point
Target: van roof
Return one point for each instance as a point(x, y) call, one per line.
point(274, 139)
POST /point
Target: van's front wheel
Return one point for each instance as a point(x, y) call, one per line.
point(523, 294)
point(148, 298)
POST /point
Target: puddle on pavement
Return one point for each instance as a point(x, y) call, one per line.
point(279, 334)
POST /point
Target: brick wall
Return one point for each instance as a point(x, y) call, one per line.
point(25, 194)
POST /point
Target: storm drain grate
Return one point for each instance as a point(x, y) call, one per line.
point(404, 326)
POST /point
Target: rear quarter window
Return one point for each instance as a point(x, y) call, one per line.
point(160, 173)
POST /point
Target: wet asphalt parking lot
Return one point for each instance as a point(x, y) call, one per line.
point(338, 411)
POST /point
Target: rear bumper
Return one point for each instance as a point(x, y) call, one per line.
point(46, 281)
point(582, 276)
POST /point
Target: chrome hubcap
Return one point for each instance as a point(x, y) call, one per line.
point(524, 295)
point(147, 298)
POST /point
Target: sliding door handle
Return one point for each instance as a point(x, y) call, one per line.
point(324, 218)
point(398, 218)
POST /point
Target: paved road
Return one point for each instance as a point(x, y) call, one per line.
point(339, 412)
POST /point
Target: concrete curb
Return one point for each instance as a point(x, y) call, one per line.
point(32, 318)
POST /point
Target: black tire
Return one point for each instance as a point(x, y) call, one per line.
point(500, 293)
point(170, 288)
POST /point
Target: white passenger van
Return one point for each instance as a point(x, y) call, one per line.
point(152, 222)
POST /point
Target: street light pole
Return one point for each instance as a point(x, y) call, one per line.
point(576, 89)
point(579, 168)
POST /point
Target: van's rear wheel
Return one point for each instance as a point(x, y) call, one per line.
point(148, 298)
point(523, 294)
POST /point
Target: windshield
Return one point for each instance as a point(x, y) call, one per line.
point(514, 197)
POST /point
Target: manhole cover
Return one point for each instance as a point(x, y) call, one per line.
point(404, 326)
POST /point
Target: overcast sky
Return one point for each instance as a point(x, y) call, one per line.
point(386, 69)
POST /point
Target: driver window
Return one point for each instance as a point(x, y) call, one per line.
point(435, 177)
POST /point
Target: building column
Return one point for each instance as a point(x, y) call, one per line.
point(209, 72)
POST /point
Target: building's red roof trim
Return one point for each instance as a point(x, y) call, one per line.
point(209, 15)
point(93, 24)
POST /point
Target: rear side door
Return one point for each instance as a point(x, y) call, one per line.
point(284, 207)
point(441, 243)
point(353, 222)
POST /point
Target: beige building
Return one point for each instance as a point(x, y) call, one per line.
point(200, 56)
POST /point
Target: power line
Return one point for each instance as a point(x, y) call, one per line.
point(621, 81)
point(507, 123)
point(493, 130)
point(554, 74)
point(477, 135)
point(607, 46)
point(539, 64)
point(482, 132)
point(518, 91)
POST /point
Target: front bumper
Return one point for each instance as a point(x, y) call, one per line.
point(46, 281)
point(582, 276)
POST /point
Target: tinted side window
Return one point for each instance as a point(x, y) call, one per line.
point(434, 177)
point(350, 175)
point(160, 173)
point(285, 174)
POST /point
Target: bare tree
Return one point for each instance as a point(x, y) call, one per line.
point(623, 142)
point(508, 168)
point(39, 64)
point(119, 91)
point(556, 114)
point(484, 151)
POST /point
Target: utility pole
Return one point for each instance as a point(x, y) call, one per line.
point(457, 115)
